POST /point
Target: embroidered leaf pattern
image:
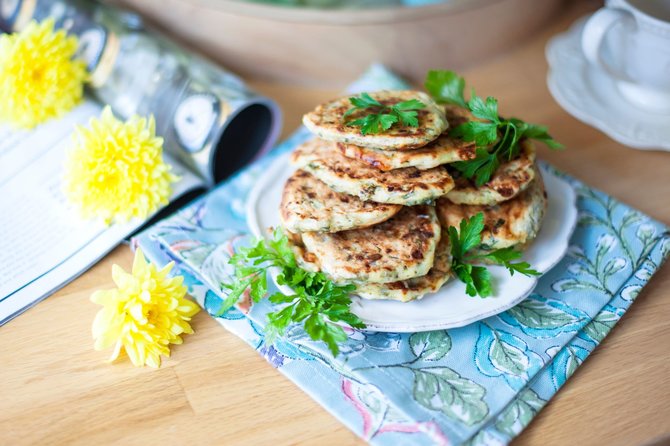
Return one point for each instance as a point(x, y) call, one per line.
point(499, 352)
point(630, 292)
point(536, 314)
point(430, 345)
point(540, 317)
point(665, 246)
point(643, 274)
point(614, 265)
point(605, 244)
point(564, 285)
point(517, 415)
point(444, 390)
point(598, 328)
point(572, 362)
point(565, 363)
point(645, 232)
point(631, 217)
point(508, 358)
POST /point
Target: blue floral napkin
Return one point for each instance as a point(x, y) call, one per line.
point(480, 384)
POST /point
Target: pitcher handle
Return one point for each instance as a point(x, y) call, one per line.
point(594, 33)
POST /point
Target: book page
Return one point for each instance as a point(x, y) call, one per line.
point(44, 243)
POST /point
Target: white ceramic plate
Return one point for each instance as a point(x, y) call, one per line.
point(450, 306)
point(591, 96)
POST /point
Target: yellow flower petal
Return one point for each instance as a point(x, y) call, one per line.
point(166, 270)
point(39, 78)
point(154, 361)
point(137, 311)
point(100, 324)
point(115, 170)
point(131, 351)
point(100, 297)
point(139, 263)
point(115, 353)
point(143, 315)
point(119, 276)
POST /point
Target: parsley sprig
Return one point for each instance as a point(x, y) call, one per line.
point(464, 243)
point(497, 139)
point(382, 117)
point(318, 303)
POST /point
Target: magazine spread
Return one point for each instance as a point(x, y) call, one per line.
point(45, 242)
point(210, 122)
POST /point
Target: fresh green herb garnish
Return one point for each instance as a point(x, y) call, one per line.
point(382, 117)
point(446, 87)
point(318, 303)
point(477, 279)
point(497, 139)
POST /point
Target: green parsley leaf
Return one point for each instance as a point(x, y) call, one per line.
point(540, 133)
point(484, 110)
point(470, 233)
point(382, 117)
point(318, 303)
point(504, 257)
point(481, 281)
point(406, 112)
point(497, 139)
point(482, 133)
point(412, 104)
point(407, 118)
point(481, 168)
point(445, 87)
point(464, 245)
point(362, 101)
point(375, 123)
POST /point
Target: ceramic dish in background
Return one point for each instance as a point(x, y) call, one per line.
point(590, 95)
point(329, 47)
point(450, 307)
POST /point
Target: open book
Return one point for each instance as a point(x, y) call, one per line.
point(210, 122)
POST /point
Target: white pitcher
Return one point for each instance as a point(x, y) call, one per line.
point(638, 56)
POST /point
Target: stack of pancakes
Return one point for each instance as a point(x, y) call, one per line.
point(372, 210)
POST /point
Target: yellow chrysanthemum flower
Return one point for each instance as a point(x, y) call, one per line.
point(39, 77)
point(115, 171)
point(146, 313)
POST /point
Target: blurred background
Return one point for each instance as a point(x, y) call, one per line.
point(330, 42)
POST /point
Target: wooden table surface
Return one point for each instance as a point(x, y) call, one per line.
point(55, 389)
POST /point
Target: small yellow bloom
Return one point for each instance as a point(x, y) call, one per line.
point(39, 77)
point(146, 313)
point(115, 171)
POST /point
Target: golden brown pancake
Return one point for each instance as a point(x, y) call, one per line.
point(409, 186)
point(400, 248)
point(512, 223)
point(309, 205)
point(511, 178)
point(327, 122)
point(418, 287)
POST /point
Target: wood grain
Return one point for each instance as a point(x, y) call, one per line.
point(55, 389)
